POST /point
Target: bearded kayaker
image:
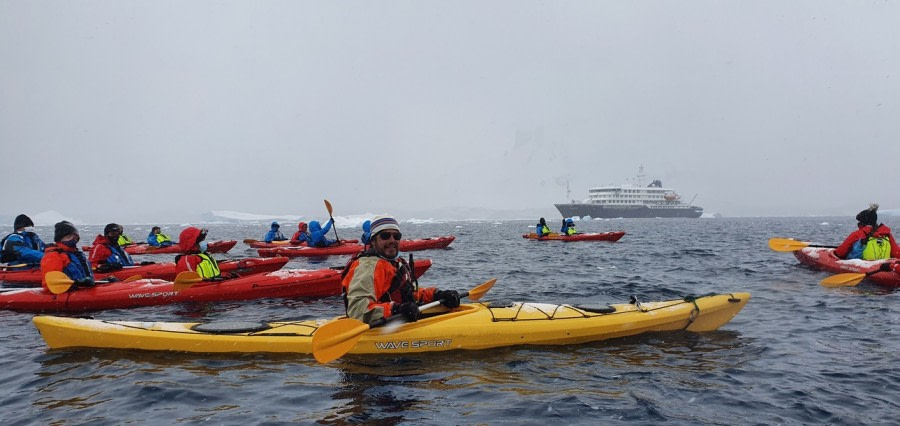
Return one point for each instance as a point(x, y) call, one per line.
point(274, 234)
point(157, 239)
point(23, 245)
point(378, 283)
point(872, 241)
point(367, 232)
point(541, 229)
point(301, 236)
point(193, 243)
point(106, 253)
point(568, 227)
point(317, 234)
point(65, 256)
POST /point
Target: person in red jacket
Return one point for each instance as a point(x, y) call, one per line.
point(106, 254)
point(301, 236)
point(870, 241)
point(378, 283)
point(192, 242)
point(65, 256)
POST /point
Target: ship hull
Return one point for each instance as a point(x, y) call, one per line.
point(598, 211)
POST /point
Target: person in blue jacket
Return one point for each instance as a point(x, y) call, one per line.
point(317, 234)
point(157, 239)
point(568, 227)
point(23, 246)
point(274, 234)
point(541, 229)
point(367, 232)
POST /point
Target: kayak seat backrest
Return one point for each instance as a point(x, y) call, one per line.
point(228, 327)
point(597, 309)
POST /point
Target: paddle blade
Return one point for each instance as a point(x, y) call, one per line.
point(334, 339)
point(186, 279)
point(843, 280)
point(786, 245)
point(58, 282)
point(477, 292)
point(249, 241)
point(18, 265)
point(132, 278)
point(328, 206)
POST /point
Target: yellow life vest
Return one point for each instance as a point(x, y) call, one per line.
point(124, 240)
point(208, 268)
point(570, 230)
point(161, 238)
point(544, 231)
point(877, 248)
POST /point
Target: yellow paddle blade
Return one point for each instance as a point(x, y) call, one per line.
point(843, 280)
point(186, 279)
point(786, 245)
point(132, 278)
point(18, 265)
point(328, 206)
point(58, 282)
point(281, 243)
point(477, 292)
point(332, 340)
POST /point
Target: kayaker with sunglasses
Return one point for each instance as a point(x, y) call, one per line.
point(378, 283)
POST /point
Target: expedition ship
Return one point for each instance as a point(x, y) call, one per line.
point(631, 200)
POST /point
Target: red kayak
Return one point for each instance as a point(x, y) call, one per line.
point(823, 259)
point(163, 271)
point(144, 248)
point(602, 236)
point(153, 292)
point(350, 249)
point(275, 244)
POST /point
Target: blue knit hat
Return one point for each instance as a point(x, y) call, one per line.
point(384, 222)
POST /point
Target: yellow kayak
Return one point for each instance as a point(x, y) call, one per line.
point(471, 326)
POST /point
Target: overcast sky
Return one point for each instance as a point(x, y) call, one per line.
point(163, 110)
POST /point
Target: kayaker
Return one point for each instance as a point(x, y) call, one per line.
point(124, 240)
point(317, 234)
point(106, 253)
point(301, 236)
point(65, 256)
point(378, 283)
point(367, 232)
point(193, 244)
point(568, 227)
point(274, 234)
point(541, 229)
point(871, 241)
point(157, 239)
point(23, 246)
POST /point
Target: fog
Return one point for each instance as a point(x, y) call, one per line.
point(164, 111)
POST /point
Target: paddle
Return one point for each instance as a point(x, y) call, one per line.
point(19, 265)
point(186, 279)
point(334, 339)
point(785, 245)
point(333, 225)
point(58, 282)
point(849, 279)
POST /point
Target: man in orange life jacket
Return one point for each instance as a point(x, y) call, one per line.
point(65, 256)
point(857, 244)
point(377, 283)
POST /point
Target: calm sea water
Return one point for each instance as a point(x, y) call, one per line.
point(797, 353)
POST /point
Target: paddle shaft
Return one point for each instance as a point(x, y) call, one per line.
point(333, 225)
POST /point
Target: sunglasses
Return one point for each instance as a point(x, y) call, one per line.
point(388, 235)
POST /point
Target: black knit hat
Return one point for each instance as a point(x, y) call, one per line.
point(112, 227)
point(868, 216)
point(63, 229)
point(22, 221)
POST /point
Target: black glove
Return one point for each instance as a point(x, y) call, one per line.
point(409, 310)
point(448, 298)
point(111, 279)
point(107, 267)
point(147, 262)
point(886, 267)
point(84, 283)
